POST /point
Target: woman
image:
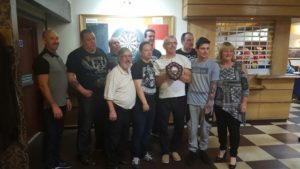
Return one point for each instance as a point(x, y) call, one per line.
point(230, 102)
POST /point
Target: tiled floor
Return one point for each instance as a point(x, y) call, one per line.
point(264, 145)
point(268, 145)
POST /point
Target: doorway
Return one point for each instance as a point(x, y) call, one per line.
point(32, 100)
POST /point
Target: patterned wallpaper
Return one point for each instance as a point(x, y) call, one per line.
point(15, 155)
point(5, 21)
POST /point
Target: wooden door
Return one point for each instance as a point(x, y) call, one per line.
point(31, 98)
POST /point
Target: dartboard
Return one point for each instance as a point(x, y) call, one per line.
point(129, 38)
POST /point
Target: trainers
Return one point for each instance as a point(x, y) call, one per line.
point(191, 158)
point(63, 164)
point(135, 163)
point(176, 156)
point(149, 158)
point(165, 159)
point(204, 157)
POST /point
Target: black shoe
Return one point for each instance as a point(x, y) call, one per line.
point(221, 159)
point(114, 167)
point(87, 161)
point(191, 158)
point(230, 166)
point(204, 157)
point(63, 164)
point(124, 162)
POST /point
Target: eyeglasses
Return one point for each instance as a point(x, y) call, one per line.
point(171, 43)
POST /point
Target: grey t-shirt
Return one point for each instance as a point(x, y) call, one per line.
point(202, 74)
point(53, 65)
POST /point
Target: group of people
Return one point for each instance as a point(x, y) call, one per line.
point(115, 91)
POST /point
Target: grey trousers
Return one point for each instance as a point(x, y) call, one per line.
point(197, 117)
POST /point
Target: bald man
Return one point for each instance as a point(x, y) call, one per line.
point(51, 74)
point(112, 56)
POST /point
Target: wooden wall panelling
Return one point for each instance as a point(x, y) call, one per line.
point(238, 8)
point(277, 95)
point(252, 111)
point(280, 46)
point(274, 110)
point(245, 2)
point(205, 28)
point(278, 84)
point(254, 96)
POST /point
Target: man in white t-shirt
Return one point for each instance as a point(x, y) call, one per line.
point(120, 95)
point(171, 97)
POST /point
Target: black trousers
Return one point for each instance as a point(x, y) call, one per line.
point(177, 107)
point(155, 126)
point(53, 136)
point(92, 113)
point(142, 124)
point(226, 122)
point(117, 136)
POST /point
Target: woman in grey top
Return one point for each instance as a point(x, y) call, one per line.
point(230, 102)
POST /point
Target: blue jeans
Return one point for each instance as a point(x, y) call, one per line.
point(142, 124)
point(92, 112)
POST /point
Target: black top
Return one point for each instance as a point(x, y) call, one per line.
point(112, 60)
point(90, 68)
point(144, 71)
point(41, 65)
point(191, 55)
point(155, 55)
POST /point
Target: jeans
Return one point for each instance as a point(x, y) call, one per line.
point(197, 117)
point(92, 112)
point(53, 135)
point(142, 124)
point(177, 107)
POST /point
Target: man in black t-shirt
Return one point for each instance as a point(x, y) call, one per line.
point(144, 110)
point(187, 41)
point(87, 70)
point(187, 50)
point(149, 36)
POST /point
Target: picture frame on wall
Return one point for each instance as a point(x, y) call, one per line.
point(128, 30)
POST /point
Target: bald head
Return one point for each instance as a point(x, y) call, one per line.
point(51, 40)
point(114, 45)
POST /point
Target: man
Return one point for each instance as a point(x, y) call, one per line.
point(171, 97)
point(144, 110)
point(51, 75)
point(187, 41)
point(120, 96)
point(201, 93)
point(149, 36)
point(112, 56)
point(87, 70)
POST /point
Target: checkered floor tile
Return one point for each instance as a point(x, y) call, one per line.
point(267, 144)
